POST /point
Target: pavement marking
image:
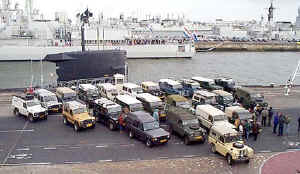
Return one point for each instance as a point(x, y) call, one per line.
point(9, 131)
point(190, 156)
point(69, 162)
point(163, 157)
point(49, 148)
point(132, 159)
point(23, 149)
point(102, 146)
point(265, 151)
point(105, 160)
point(126, 145)
point(74, 147)
point(15, 144)
point(22, 164)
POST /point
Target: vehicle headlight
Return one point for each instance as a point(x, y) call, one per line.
point(154, 139)
point(168, 136)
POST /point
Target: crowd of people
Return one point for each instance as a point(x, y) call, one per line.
point(265, 117)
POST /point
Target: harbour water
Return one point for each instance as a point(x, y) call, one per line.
point(251, 68)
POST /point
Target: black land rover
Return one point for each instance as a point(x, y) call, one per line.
point(143, 126)
point(107, 112)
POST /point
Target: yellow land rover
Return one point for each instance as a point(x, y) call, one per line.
point(228, 142)
point(76, 114)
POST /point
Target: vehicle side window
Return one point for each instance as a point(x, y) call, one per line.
point(196, 98)
point(24, 105)
point(221, 138)
point(210, 118)
point(42, 99)
point(213, 134)
point(71, 112)
point(129, 91)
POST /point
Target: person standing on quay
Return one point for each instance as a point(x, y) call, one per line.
point(276, 121)
point(287, 121)
point(264, 115)
point(270, 116)
point(298, 126)
point(255, 130)
point(246, 130)
point(281, 124)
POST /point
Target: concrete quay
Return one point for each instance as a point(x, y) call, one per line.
point(246, 46)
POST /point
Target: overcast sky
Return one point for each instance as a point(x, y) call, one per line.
point(201, 10)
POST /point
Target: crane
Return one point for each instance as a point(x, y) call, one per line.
point(290, 81)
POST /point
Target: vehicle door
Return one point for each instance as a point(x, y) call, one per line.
point(180, 129)
point(71, 117)
point(220, 145)
point(138, 129)
point(23, 109)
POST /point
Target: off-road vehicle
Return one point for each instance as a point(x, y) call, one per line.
point(144, 127)
point(185, 124)
point(228, 142)
point(107, 112)
point(249, 98)
point(29, 108)
point(75, 113)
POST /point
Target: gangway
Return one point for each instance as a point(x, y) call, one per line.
point(290, 82)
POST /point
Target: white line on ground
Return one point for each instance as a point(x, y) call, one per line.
point(163, 157)
point(102, 146)
point(23, 149)
point(15, 144)
point(69, 162)
point(265, 151)
point(105, 160)
point(49, 148)
point(22, 164)
point(189, 156)
point(74, 147)
point(9, 131)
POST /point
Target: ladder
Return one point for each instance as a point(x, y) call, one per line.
point(290, 81)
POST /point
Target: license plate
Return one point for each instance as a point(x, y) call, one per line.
point(163, 141)
point(89, 125)
point(42, 116)
point(198, 138)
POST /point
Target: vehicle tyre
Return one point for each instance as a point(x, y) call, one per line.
point(186, 140)
point(149, 143)
point(247, 161)
point(65, 121)
point(171, 130)
point(203, 140)
point(60, 110)
point(93, 126)
point(111, 126)
point(46, 117)
point(131, 134)
point(76, 127)
point(229, 159)
point(213, 148)
point(16, 112)
point(30, 117)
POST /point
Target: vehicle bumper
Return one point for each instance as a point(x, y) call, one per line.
point(197, 139)
point(241, 158)
point(87, 125)
point(158, 142)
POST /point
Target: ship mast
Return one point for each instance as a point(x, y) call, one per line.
point(84, 18)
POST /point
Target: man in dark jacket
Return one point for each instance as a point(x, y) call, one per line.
point(276, 120)
point(270, 116)
point(281, 124)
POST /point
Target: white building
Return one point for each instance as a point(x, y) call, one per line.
point(298, 20)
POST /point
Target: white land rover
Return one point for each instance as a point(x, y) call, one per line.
point(28, 107)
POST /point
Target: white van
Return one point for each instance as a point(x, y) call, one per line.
point(132, 89)
point(209, 116)
point(107, 90)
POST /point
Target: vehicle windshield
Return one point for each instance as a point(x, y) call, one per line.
point(210, 100)
point(32, 103)
point(190, 122)
point(156, 104)
point(219, 117)
point(92, 92)
point(137, 90)
point(211, 83)
point(195, 86)
point(69, 96)
point(257, 97)
point(79, 110)
point(153, 88)
point(233, 138)
point(114, 109)
point(50, 98)
point(150, 125)
point(136, 107)
point(228, 99)
point(178, 87)
point(245, 115)
point(113, 92)
point(182, 103)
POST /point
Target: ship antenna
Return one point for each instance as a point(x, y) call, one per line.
point(84, 18)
